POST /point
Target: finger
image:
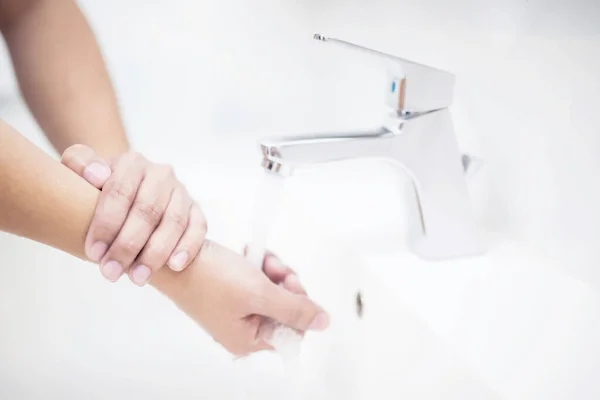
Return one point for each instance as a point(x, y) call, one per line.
point(262, 346)
point(265, 331)
point(114, 203)
point(292, 284)
point(293, 310)
point(281, 274)
point(242, 340)
point(144, 216)
point(258, 323)
point(162, 242)
point(191, 242)
point(84, 162)
point(270, 329)
point(275, 269)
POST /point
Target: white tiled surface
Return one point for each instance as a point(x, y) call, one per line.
point(199, 82)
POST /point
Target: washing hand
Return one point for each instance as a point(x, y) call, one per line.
point(231, 299)
point(144, 219)
point(234, 301)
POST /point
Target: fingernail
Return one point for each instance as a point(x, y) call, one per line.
point(140, 275)
point(96, 173)
point(97, 251)
point(178, 261)
point(112, 270)
point(321, 322)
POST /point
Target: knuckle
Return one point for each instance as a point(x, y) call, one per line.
point(178, 218)
point(104, 226)
point(71, 151)
point(166, 170)
point(106, 223)
point(128, 248)
point(121, 191)
point(150, 212)
point(156, 255)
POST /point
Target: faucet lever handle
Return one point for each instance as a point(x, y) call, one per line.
point(413, 88)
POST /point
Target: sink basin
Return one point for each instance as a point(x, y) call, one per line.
point(510, 324)
point(506, 325)
point(524, 328)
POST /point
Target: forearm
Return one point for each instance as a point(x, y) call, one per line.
point(63, 78)
point(41, 199)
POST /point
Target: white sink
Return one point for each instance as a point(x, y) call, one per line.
point(507, 325)
point(525, 329)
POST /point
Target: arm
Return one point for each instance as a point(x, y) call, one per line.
point(39, 198)
point(145, 218)
point(43, 200)
point(62, 75)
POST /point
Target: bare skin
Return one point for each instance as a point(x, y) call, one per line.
point(229, 298)
point(62, 74)
point(145, 218)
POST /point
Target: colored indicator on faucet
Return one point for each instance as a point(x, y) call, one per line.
point(393, 86)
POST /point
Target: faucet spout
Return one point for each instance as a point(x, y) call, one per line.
point(312, 149)
point(425, 148)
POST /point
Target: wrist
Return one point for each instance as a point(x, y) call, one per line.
point(173, 284)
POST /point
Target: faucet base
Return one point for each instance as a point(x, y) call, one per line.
point(428, 151)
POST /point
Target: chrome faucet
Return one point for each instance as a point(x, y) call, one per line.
point(418, 136)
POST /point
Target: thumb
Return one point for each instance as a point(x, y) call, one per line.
point(84, 162)
point(294, 310)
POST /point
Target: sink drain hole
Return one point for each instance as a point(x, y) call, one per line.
point(359, 304)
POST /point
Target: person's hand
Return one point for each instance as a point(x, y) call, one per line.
point(144, 219)
point(233, 300)
point(284, 276)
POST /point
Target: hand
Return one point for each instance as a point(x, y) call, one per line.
point(233, 300)
point(144, 218)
